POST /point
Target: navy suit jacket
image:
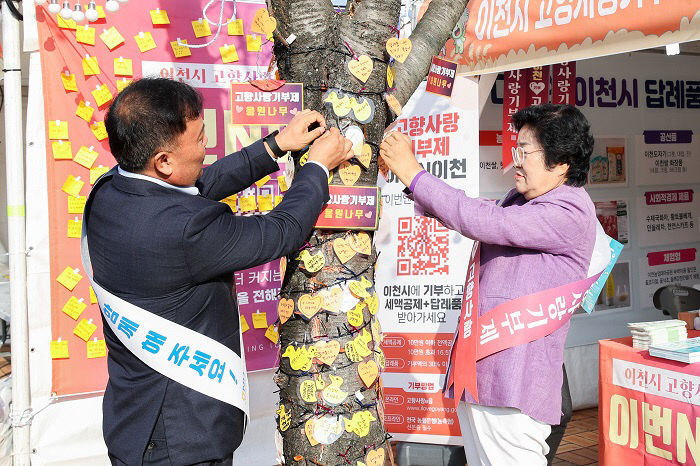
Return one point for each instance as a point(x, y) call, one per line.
point(174, 254)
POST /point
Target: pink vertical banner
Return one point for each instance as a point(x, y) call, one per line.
point(537, 85)
point(564, 83)
point(514, 98)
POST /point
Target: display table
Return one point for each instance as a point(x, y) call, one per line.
point(647, 407)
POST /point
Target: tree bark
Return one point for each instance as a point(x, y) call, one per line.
point(325, 42)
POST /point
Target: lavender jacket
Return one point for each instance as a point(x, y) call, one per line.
point(526, 246)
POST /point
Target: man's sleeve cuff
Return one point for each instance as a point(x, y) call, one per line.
point(325, 169)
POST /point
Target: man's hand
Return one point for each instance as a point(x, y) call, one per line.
point(396, 151)
point(296, 135)
point(331, 149)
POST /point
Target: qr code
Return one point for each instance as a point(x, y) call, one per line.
point(423, 247)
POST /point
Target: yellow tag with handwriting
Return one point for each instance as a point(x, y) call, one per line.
point(112, 38)
point(93, 296)
point(145, 41)
point(69, 82)
point(253, 43)
point(85, 111)
point(102, 95)
point(72, 186)
point(84, 329)
point(123, 66)
point(282, 183)
point(96, 349)
point(91, 66)
point(101, 12)
point(65, 23)
point(262, 181)
point(231, 202)
point(69, 278)
point(201, 28)
point(59, 349)
point(259, 319)
point(85, 35)
point(244, 324)
point(235, 28)
point(76, 205)
point(74, 307)
point(86, 156)
point(278, 199)
point(272, 334)
point(75, 227)
point(228, 53)
point(61, 150)
point(99, 130)
point(159, 17)
point(122, 83)
point(180, 50)
point(247, 203)
point(58, 129)
point(265, 202)
point(96, 172)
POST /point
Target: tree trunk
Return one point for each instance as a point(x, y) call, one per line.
point(325, 42)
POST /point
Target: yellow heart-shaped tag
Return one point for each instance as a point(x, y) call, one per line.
point(399, 48)
point(349, 173)
point(309, 305)
point(361, 67)
point(369, 372)
point(285, 309)
point(343, 250)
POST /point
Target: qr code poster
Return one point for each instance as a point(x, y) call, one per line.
point(423, 246)
point(422, 264)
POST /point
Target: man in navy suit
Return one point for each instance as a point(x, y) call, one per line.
point(160, 240)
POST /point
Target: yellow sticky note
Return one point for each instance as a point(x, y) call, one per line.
point(122, 83)
point(99, 130)
point(91, 66)
point(69, 83)
point(145, 41)
point(235, 28)
point(159, 16)
point(101, 12)
point(59, 349)
point(85, 35)
point(96, 172)
point(76, 205)
point(111, 37)
point(247, 203)
point(102, 95)
point(75, 227)
point(201, 28)
point(231, 202)
point(58, 129)
point(253, 43)
point(278, 199)
point(180, 50)
point(228, 53)
point(259, 319)
point(85, 111)
point(123, 66)
point(262, 180)
point(265, 202)
point(93, 296)
point(69, 278)
point(282, 183)
point(74, 307)
point(84, 329)
point(96, 349)
point(272, 334)
point(65, 23)
point(61, 150)
point(72, 186)
point(244, 325)
point(86, 156)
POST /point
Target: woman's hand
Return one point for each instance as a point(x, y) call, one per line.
point(396, 151)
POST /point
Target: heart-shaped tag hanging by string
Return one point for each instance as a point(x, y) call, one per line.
point(332, 299)
point(375, 457)
point(399, 48)
point(366, 157)
point(361, 243)
point(285, 309)
point(309, 430)
point(369, 372)
point(349, 173)
point(343, 250)
point(327, 351)
point(361, 67)
point(309, 305)
point(263, 23)
point(312, 263)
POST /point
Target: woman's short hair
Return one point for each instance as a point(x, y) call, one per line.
point(565, 136)
point(147, 117)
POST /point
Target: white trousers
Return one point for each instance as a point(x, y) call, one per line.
point(502, 436)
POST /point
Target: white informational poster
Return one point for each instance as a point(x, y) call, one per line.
point(667, 157)
point(422, 265)
point(669, 267)
point(668, 217)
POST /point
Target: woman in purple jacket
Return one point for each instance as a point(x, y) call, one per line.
point(540, 236)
